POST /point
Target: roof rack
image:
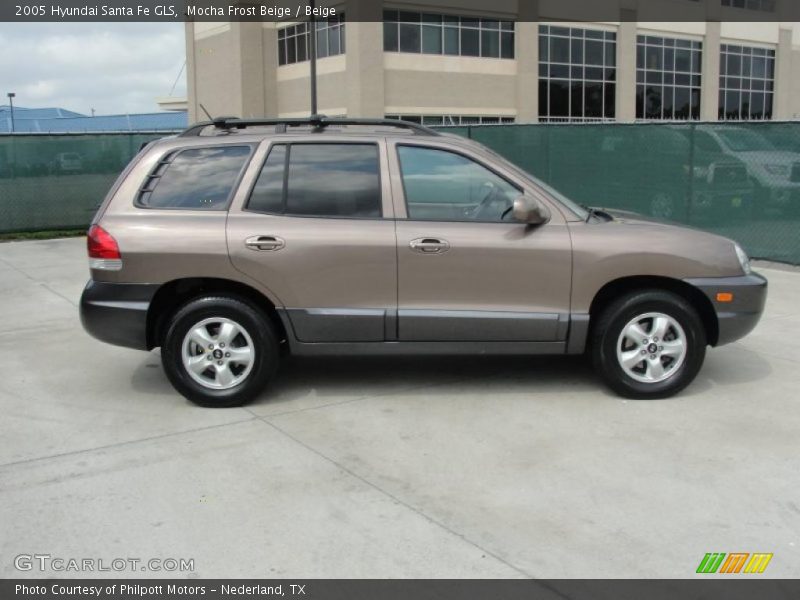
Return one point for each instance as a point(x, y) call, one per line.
point(319, 122)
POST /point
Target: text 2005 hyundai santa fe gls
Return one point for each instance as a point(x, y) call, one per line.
point(337, 237)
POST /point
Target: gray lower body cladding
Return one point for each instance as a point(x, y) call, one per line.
point(337, 331)
point(737, 318)
point(116, 313)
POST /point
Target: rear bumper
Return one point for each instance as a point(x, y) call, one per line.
point(737, 318)
point(116, 313)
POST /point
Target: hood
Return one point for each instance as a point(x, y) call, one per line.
point(648, 246)
point(769, 157)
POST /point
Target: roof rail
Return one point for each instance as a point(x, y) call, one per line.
point(319, 122)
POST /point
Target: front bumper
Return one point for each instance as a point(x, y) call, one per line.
point(737, 318)
point(116, 313)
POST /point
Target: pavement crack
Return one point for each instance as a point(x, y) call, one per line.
point(413, 388)
point(59, 294)
point(399, 501)
point(125, 443)
point(27, 276)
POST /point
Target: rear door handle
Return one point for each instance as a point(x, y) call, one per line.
point(264, 242)
point(429, 245)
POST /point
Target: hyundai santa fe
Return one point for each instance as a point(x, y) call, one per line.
point(240, 241)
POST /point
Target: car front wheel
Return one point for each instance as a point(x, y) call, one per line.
point(219, 351)
point(648, 344)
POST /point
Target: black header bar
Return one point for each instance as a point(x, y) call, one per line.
point(711, 587)
point(371, 10)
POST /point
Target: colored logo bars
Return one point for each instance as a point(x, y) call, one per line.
point(736, 562)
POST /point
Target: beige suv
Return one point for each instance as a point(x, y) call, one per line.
point(336, 236)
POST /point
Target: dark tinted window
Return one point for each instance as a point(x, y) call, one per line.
point(267, 195)
point(200, 179)
point(325, 180)
point(334, 180)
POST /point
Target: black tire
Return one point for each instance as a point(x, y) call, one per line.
point(606, 335)
point(262, 335)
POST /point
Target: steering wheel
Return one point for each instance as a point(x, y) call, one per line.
point(485, 208)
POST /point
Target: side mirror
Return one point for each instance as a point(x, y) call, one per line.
point(528, 210)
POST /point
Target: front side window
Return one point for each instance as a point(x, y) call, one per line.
point(198, 178)
point(577, 74)
point(445, 186)
point(427, 33)
point(744, 140)
point(323, 180)
point(762, 5)
point(667, 78)
point(746, 82)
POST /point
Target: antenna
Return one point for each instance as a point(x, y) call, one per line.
point(208, 114)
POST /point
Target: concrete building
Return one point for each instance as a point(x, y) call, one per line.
point(522, 61)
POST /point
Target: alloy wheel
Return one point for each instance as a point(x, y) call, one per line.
point(218, 353)
point(651, 347)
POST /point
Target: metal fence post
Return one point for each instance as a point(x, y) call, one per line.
point(690, 185)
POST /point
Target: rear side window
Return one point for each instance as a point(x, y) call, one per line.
point(197, 178)
point(267, 195)
point(322, 180)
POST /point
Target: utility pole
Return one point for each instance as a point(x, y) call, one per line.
point(11, 96)
point(313, 49)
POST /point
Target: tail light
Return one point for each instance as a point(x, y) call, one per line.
point(103, 250)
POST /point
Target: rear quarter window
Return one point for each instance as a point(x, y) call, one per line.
point(195, 179)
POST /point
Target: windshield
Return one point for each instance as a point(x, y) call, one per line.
point(558, 196)
point(741, 140)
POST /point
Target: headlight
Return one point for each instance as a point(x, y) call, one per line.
point(744, 260)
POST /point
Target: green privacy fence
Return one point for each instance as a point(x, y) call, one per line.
point(57, 181)
point(741, 180)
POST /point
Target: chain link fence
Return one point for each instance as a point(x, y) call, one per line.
point(741, 180)
point(57, 181)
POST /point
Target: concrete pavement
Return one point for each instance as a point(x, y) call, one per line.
point(443, 467)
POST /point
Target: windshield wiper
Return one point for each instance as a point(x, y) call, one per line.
point(596, 212)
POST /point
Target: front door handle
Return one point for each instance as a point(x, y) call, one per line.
point(429, 245)
point(264, 242)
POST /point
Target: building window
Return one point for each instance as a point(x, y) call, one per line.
point(746, 82)
point(294, 45)
point(424, 33)
point(667, 78)
point(577, 74)
point(438, 120)
point(762, 5)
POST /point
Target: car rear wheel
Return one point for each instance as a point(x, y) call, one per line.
point(648, 344)
point(220, 351)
